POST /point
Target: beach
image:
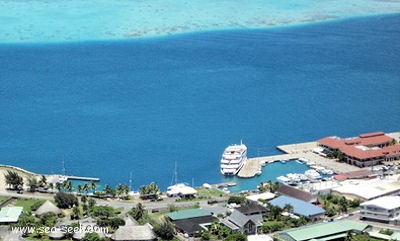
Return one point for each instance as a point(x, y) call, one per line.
point(66, 21)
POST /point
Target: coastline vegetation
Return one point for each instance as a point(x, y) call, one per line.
point(82, 204)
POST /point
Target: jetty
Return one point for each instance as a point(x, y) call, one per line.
point(54, 178)
point(88, 179)
point(254, 165)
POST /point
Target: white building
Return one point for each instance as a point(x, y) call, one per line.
point(384, 209)
point(181, 190)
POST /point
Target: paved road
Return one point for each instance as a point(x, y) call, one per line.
point(115, 203)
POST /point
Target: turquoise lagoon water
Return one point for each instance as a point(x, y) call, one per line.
point(75, 20)
point(116, 107)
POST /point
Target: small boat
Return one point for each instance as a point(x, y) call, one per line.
point(310, 163)
point(283, 161)
point(312, 174)
point(283, 179)
point(327, 172)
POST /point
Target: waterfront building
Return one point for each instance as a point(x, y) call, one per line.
point(181, 190)
point(383, 209)
point(365, 150)
point(337, 230)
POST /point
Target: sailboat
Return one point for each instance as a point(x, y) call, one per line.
point(180, 189)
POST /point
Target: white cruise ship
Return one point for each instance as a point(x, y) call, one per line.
point(233, 159)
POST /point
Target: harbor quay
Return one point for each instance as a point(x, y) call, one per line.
point(253, 166)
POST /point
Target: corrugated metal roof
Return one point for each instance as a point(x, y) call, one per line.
point(188, 213)
point(299, 207)
point(326, 230)
point(10, 214)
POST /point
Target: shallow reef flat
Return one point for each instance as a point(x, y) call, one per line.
point(65, 21)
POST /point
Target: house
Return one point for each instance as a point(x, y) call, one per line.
point(10, 214)
point(252, 208)
point(384, 209)
point(300, 207)
point(134, 233)
point(246, 218)
point(331, 231)
point(238, 221)
point(191, 221)
point(47, 207)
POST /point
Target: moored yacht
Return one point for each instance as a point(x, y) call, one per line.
point(233, 159)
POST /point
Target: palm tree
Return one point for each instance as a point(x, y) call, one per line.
point(93, 186)
point(33, 184)
point(79, 188)
point(69, 186)
point(138, 212)
point(275, 211)
point(59, 186)
point(91, 203)
point(123, 190)
point(108, 190)
point(51, 186)
point(120, 190)
point(43, 181)
point(86, 188)
point(288, 208)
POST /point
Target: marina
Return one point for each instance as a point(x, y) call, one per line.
point(305, 153)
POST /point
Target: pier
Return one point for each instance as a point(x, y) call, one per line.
point(89, 179)
point(54, 178)
point(293, 152)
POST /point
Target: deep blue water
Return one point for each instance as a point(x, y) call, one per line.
point(140, 106)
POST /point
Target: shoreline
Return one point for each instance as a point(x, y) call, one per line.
point(250, 169)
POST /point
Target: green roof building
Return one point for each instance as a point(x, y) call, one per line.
point(191, 221)
point(10, 214)
point(323, 231)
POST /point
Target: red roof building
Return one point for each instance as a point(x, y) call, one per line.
point(365, 150)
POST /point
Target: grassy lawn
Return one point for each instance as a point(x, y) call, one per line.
point(3, 198)
point(213, 192)
point(27, 203)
